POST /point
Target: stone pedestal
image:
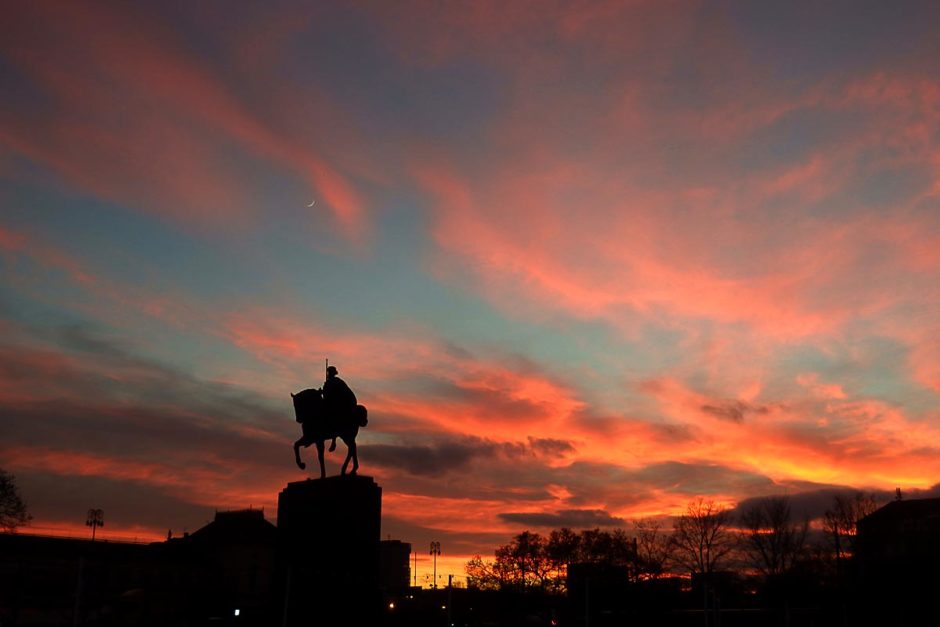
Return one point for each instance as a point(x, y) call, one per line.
point(328, 550)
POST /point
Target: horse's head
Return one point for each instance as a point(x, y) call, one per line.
point(307, 404)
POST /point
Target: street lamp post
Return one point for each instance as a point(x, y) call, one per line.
point(435, 551)
point(95, 520)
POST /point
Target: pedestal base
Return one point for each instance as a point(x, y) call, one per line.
point(328, 550)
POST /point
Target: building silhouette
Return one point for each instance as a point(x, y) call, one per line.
point(898, 561)
point(232, 571)
point(394, 567)
point(326, 565)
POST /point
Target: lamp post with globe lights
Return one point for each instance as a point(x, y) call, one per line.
point(435, 551)
point(95, 520)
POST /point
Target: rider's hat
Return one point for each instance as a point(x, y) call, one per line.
point(332, 370)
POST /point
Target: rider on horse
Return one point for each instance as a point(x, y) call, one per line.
point(340, 401)
point(325, 413)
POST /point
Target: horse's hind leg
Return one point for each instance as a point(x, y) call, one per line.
point(300, 463)
point(320, 457)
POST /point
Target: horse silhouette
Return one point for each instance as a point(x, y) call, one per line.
point(318, 426)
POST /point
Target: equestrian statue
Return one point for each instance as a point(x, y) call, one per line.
point(325, 414)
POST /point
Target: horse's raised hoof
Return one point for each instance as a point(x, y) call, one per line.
point(301, 465)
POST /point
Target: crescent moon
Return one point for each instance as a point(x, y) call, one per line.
point(312, 203)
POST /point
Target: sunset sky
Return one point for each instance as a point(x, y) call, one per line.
point(583, 261)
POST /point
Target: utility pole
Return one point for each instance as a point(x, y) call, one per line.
point(76, 610)
point(435, 551)
point(450, 599)
point(415, 573)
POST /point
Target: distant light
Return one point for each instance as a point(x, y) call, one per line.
point(391, 605)
point(237, 612)
point(443, 607)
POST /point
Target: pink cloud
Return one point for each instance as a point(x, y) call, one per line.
point(386, 361)
point(925, 362)
point(545, 231)
point(19, 244)
point(155, 136)
point(594, 270)
point(810, 380)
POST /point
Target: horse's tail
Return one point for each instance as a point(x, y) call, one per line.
point(362, 415)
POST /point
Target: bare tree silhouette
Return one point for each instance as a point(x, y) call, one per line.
point(654, 550)
point(701, 538)
point(13, 512)
point(840, 520)
point(772, 540)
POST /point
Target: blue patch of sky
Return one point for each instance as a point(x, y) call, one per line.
point(393, 286)
point(136, 252)
point(881, 188)
point(129, 247)
point(865, 366)
point(793, 359)
point(28, 312)
point(387, 286)
point(20, 92)
point(391, 289)
point(792, 140)
point(887, 376)
point(346, 56)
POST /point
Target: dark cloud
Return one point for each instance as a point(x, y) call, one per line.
point(671, 433)
point(126, 503)
point(493, 404)
point(447, 456)
point(812, 504)
point(550, 446)
point(426, 460)
point(456, 351)
point(700, 478)
point(88, 340)
point(453, 542)
point(733, 410)
point(90, 397)
point(134, 433)
point(574, 518)
point(602, 425)
point(92, 368)
point(485, 482)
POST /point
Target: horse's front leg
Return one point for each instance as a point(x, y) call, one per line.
point(300, 463)
point(320, 457)
point(351, 455)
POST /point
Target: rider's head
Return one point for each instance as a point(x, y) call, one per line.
point(331, 371)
